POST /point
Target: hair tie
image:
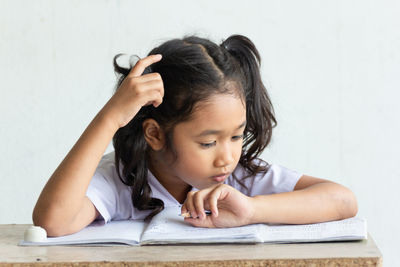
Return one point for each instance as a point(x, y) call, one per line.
point(225, 48)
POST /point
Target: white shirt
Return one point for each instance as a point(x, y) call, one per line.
point(112, 198)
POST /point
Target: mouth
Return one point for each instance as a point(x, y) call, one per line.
point(220, 177)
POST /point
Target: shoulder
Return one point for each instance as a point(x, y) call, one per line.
point(107, 163)
point(107, 174)
point(275, 179)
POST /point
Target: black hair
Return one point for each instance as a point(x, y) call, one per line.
point(193, 69)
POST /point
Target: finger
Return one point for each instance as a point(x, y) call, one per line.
point(156, 99)
point(153, 93)
point(183, 208)
point(142, 64)
point(155, 84)
point(189, 205)
point(198, 202)
point(200, 223)
point(213, 200)
point(150, 77)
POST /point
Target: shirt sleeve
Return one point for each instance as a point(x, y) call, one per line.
point(102, 190)
point(277, 179)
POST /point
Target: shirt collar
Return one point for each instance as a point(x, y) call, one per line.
point(160, 192)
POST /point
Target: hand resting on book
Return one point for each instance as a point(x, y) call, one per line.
point(229, 207)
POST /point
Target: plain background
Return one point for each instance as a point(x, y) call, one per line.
point(332, 69)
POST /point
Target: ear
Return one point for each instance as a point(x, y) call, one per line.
point(153, 134)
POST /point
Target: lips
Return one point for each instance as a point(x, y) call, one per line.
point(220, 177)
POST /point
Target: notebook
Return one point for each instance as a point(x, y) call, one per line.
point(168, 227)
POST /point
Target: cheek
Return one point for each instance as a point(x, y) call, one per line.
point(237, 152)
point(191, 159)
point(238, 149)
point(194, 160)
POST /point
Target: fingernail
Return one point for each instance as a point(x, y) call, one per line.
point(158, 56)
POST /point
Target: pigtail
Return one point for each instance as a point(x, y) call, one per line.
point(260, 113)
point(130, 154)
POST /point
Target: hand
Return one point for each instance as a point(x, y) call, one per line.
point(135, 92)
point(229, 207)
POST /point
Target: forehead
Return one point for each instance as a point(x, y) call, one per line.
point(222, 112)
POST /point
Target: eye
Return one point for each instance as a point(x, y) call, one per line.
point(208, 145)
point(237, 137)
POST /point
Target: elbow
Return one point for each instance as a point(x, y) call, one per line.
point(347, 204)
point(52, 226)
point(51, 229)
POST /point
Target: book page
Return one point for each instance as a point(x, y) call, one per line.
point(115, 232)
point(168, 227)
point(349, 229)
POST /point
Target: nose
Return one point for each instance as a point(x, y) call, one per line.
point(224, 156)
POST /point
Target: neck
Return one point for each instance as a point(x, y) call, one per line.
point(162, 172)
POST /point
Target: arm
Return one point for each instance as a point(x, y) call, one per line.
point(62, 207)
point(313, 200)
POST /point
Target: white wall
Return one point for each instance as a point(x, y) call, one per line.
point(333, 68)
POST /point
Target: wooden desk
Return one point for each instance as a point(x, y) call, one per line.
point(357, 253)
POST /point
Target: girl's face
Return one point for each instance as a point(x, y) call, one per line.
point(209, 146)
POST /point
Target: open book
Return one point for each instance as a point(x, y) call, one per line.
point(168, 227)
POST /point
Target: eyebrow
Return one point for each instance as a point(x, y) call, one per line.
point(215, 132)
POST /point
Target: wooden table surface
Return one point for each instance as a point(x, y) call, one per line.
point(350, 253)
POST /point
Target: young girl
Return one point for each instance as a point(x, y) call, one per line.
point(187, 123)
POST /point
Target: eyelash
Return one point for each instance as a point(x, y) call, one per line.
point(208, 145)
